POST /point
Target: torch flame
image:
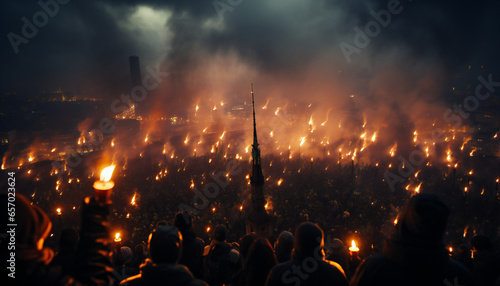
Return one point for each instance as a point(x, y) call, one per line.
point(132, 202)
point(106, 173)
point(417, 189)
point(302, 140)
point(265, 106)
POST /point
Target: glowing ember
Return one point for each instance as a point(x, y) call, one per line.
point(416, 174)
point(30, 159)
point(132, 202)
point(187, 139)
point(146, 139)
point(353, 247)
point(58, 211)
point(241, 208)
point(465, 230)
point(280, 181)
point(396, 221)
point(117, 237)
point(374, 137)
point(213, 209)
point(208, 229)
point(222, 136)
point(52, 151)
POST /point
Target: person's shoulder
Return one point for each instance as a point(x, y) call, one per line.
point(132, 280)
point(335, 266)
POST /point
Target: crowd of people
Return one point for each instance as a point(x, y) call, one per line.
point(414, 253)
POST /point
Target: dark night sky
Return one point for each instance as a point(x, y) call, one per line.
point(87, 43)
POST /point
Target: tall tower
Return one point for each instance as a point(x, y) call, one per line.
point(135, 70)
point(258, 220)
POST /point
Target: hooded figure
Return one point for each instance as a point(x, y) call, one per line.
point(192, 246)
point(415, 254)
point(91, 264)
point(165, 248)
point(308, 266)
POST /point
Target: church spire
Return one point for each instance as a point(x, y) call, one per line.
point(257, 176)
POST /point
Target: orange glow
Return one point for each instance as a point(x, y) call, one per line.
point(117, 237)
point(280, 181)
point(302, 140)
point(393, 150)
point(353, 247)
point(106, 173)
point(396, 221)
point(58, 211)
point(417, 189)
point(208, 229)
point(132, 202)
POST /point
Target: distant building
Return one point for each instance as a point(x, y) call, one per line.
point(135, 70)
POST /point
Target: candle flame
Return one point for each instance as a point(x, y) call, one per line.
point(58, 211)
point(353, 247)
point(106, 173)
point(117, 237)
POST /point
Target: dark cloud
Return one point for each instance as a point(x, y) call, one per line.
point(87, 43)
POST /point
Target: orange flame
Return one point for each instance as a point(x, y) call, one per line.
point(353, 247)
point(106, 173)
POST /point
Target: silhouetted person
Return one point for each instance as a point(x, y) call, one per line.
point(415, 254)
point(245, 243)
point(192, 246)
point(165, 248)
point(68, 244)
point(308, 266)
point(464, 257)
point(32, 261)
point(139, 256)
point(486, 261)
point(222, 260)
point(283, 247)
point(259, 262)
point(337, 252)
point(123, 264)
